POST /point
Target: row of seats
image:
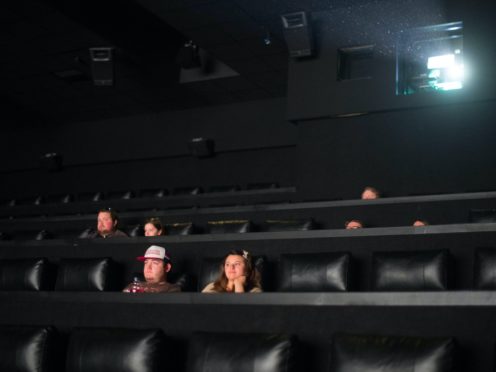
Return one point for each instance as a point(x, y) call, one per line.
point(37, 349)
point(179, 228)
point(127, 195)
point(314, 272)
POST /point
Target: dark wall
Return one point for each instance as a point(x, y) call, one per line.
point(253, 143)
point(444, 149)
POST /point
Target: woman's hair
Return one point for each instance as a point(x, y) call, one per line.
point(155, 221)
point(252, 274)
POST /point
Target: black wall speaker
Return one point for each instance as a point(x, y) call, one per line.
point(298, 34)
point(102, 65)
point(201, 147)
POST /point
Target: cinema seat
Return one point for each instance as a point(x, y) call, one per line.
point(117, 350)
point(485, 268)
point(187, 190)
point(410, 271)
point(88, 274)
point(28, 349)
point(30, 274)
point(180, 228)
point(43, 235)
point(314, 272)
point(229, 226)
point(211, 265)
point(373, 353)
point(228, 352)
point(290, 225)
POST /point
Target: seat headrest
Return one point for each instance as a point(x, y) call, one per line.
point(27, 349)
point(180, 228)
point(290, 225)
point(410, 271)
point(485, 268)
point(227, 352)
point(314, 272)
point(117, 350)
point(87, 274)
point(229, 226)
point(371, 353)
point(30, 274)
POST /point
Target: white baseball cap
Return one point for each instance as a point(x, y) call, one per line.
point(155, 251)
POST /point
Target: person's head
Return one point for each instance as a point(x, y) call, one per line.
point(353, 224)
point(370, 193)
point(153, 227)
point(107, 221)
point(419, 222)
point(235, 264)
point(156, 264)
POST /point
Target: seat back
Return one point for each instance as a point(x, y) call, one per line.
point(290, 225)
point(30, 274)
point(28, 349)
point(316, 272)
point(229, 226)
point(211, 267)
point(116, 350)
point(485, 268)
point(88, 274)
point(227, 352)
point(410, 271)
point(372, 353)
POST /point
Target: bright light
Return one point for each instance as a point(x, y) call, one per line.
point(456, 72)
point(444, 61)
point(451, 85)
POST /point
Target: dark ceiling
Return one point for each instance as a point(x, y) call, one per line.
point(46, 69)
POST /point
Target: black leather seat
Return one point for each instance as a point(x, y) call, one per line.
point(31, 274)
point(290, 225)
point(314, 272)
point(228, 352)
point(43, 235)
point(410, 271)
point(485, 268)
point(28, 349)
point(117, 350)
point(180, 228)
point(187, 190)
point(372, 353)
point(211, 266)
point(88, 274)
point(135, 231)
point(229, 226)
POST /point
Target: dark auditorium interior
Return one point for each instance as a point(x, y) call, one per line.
point(249, 125)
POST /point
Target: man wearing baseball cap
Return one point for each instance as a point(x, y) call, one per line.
point(156, 266)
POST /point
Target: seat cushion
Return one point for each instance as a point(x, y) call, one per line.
point(315, 272)
point(372, 353)
point(228, 352)
point(31, 274)
point(27, 349)
point(87, 274)
point(116, 350)
point(485, 268)
point(410, 271)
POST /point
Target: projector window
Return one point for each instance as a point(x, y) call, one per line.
point(430, 59)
